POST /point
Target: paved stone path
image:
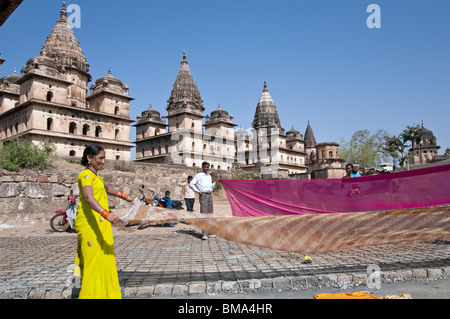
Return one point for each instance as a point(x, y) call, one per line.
point(176, 262)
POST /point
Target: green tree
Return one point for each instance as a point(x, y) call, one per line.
point(364, 148)
point(19, 154)
point(238, 173)
point(397, 146)
point(447, 152)
point(396, 149)
point(410, 134)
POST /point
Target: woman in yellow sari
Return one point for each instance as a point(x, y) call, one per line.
point(95, 261)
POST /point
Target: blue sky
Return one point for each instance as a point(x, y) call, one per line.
point(321, 61)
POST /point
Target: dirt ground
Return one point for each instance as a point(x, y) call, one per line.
point(35, 229)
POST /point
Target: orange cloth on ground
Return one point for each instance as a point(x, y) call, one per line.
point(346, 295)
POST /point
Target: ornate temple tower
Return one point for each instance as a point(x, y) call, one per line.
point(424, 147)
point(271, 149)
point(185, 119)
point(152, 139)
point(50, 101)
point(220, 135)
point(266, 115)
point(183, 141)
point(293, 155)
point(174, 143)
point(185, 106)
point(322, 159)
point(266, 131)
point(310, 144)
point(64, 49)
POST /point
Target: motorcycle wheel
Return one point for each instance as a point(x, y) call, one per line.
point(58, 225)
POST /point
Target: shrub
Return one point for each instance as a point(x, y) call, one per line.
point(19, 154)
point(238, 173)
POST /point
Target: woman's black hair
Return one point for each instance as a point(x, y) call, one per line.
point(91, 151)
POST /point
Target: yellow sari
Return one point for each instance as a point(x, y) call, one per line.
point(95, 261)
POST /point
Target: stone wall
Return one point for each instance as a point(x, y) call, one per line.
point(34, 196)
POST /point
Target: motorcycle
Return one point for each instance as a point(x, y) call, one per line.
point(177, 204)
point(157, 201)
point(63, 220)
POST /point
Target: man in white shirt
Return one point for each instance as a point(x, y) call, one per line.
point(203, 185)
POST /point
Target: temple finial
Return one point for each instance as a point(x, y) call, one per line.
point(63, 10)
point(184, 58)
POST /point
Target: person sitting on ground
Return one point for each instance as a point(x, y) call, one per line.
point(168, 204)
point(167, 200)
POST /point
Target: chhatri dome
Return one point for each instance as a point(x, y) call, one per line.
point(266, 114)
point(185, 95)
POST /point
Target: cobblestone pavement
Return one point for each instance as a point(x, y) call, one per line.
point(175, 262)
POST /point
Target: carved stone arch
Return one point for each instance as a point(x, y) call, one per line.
point(98, 131)
point(72, 128)
point(86, 129)
point(50, 124)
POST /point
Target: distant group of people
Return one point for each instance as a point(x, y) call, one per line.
point(203, 185)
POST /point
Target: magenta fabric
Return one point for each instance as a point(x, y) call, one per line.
point(410, 189)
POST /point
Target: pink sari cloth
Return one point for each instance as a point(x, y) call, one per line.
point(409, 189)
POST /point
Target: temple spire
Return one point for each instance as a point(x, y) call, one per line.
point(310, 140)
point(266, 114)
point(63, 16)
point(62, 45)
point(63, 11)
point(185, 93)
